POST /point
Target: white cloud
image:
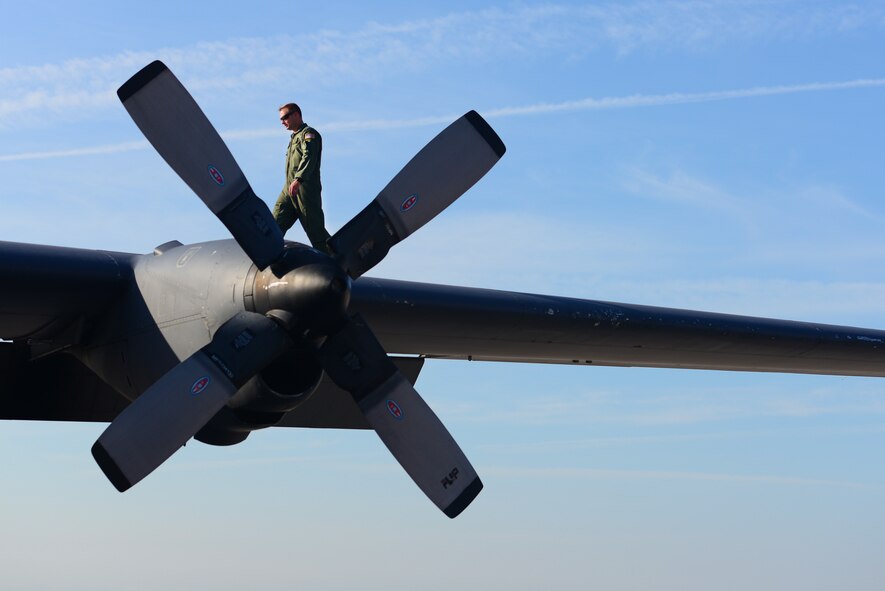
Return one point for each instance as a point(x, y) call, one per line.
point(378, 52)
point(626, 102)
point(87, 151)
point(708, 22)
point(657, 100)
point(683, 189)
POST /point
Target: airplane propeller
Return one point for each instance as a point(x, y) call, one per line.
point(181, 402)
point(176, 406)
point(178, 130)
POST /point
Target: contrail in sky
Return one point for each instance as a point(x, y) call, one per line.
point(656, 100)
point(587, 104)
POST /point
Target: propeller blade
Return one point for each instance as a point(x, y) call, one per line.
point(181, 402)
point(354, 359)
point(441, 172)
point(176, 127)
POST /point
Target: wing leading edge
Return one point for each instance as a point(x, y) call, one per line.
point(481, 324)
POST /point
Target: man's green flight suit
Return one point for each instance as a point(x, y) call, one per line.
point(303, 163)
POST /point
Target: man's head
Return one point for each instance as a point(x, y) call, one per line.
point(290, 116)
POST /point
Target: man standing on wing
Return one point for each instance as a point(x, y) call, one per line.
point(301, 197)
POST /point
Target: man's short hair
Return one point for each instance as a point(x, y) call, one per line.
point(289, 107)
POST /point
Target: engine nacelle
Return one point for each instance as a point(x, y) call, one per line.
point(265, 399)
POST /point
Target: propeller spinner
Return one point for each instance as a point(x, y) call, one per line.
point(313, 302)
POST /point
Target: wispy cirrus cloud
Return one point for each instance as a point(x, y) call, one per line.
point(88, 151)
point(587, 104)
point(677, 98)
point(381, 51)
point(681, 188)
point(709, 22)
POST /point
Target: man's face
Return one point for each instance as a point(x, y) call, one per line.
point(291, 120)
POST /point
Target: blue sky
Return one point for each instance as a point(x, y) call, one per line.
point(708, 155)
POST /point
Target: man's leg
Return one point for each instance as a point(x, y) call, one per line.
point(285, 213)
point(310, 203)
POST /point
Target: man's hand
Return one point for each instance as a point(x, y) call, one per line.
point(293, 188)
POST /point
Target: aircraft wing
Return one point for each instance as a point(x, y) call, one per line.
point(50, 295)
point(487, 325)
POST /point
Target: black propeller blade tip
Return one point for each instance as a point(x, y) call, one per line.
point(110, 468)
point(486, 131)
point(141, 79)
point(464, 499)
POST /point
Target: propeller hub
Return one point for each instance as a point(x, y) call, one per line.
point(307, 284)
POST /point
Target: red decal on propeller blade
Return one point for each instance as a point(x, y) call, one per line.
point(409, 202)
point(394, 409)
point(200, 385)
point(216, 176)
